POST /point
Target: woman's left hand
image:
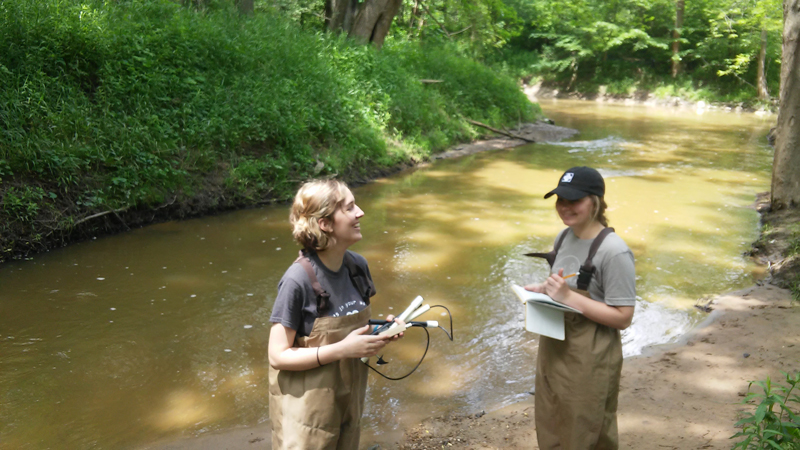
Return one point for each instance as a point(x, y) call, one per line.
point(400, 323)
point(556, 287)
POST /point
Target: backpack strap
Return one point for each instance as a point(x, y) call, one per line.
point(322, 295)
point(588, 269)
point(551, 255)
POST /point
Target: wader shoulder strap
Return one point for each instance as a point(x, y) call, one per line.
point(587, 269)
point(322, 295)
point(551, 255)
point(363, 284)
point(359, 278)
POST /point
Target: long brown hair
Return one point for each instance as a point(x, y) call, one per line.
point(600, 207)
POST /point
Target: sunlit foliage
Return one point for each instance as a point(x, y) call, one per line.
point(110, 107)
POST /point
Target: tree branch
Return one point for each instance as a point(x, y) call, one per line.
point(505, 133)
point(459, 32)
point(434, 19)
point(94, 216)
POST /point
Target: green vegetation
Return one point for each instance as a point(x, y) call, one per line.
point(775, 424)
point(615, 47)
point(113, 112)
point(628, 47)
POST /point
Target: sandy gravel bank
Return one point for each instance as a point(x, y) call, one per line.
point(679, 396)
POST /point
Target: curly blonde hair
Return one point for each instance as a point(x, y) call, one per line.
point(316, 199)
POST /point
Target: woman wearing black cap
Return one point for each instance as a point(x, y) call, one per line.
point(577, 379)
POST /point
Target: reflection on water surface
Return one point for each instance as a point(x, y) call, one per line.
point(162, 332)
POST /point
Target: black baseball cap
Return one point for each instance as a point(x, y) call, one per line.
point(578, 182)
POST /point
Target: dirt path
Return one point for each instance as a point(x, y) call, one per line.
point(680, 396)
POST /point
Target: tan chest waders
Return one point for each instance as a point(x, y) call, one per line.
point(321, 408)
point(577, 379)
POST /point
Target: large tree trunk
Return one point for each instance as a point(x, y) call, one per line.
point(676, 36)
point(339, 14)
point(368, 21)
point(761, 78)
point(374, 19)
point(786, 166)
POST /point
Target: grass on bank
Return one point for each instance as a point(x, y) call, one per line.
point(115, 109)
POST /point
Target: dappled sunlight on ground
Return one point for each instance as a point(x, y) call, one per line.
point(688, 396)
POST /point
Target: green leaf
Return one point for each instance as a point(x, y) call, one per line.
point(761, 411)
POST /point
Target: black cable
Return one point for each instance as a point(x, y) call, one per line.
point(427, 345)
point(450, 334)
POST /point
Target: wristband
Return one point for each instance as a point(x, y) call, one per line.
point(318, 361)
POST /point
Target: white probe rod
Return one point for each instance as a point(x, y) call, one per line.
point(422, 310)
point(405, 315)
point(414, 305)
point(396, 330)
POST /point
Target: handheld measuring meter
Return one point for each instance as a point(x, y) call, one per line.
point(388, 329)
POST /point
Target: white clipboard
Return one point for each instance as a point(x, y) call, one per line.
point(543, 315)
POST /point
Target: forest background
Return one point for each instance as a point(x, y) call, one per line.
point(118, 113)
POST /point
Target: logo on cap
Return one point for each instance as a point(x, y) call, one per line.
point(567, 177)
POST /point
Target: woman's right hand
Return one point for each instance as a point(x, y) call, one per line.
point(360, 344)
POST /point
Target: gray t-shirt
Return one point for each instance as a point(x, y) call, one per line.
point(614, 279)
point(296, 304)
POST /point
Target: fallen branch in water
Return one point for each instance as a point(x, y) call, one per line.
point(506, 133)
point(94, 216)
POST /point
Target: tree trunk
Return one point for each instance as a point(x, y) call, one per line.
point(339, 15)
point(786, 165)
point(761, 78)
point(676, 36)
point(373, 20)
point(368, 21)
point(413, 18)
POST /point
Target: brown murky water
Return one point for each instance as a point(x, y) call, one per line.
point(161, 332)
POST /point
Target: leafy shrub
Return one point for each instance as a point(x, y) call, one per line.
point(125, 105)
point(23, 203)
point(775, 424)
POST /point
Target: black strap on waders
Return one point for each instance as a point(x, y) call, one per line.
point(551, 255)
point(587, 269)
point(358, 277)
